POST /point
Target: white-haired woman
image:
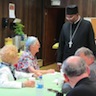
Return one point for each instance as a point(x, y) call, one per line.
point(28, 61)
point(8, 74)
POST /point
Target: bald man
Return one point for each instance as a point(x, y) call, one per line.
point(76, 72)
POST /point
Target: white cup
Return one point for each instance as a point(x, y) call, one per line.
point(60, 82)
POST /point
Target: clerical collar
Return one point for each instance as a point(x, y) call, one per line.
point(77, 19)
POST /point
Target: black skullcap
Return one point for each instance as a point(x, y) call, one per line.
point(71, 9)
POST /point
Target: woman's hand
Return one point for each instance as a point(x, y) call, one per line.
point(37, 74)
point(50, 71)
point(28, 84)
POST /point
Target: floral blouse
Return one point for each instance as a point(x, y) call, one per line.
point(26, 60)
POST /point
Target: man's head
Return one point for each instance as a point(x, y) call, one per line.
point(32, 44)
point(72, 13)
point(86, 54)
point(74, 69)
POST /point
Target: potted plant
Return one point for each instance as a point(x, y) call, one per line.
point(18, 28)
point(19, 34)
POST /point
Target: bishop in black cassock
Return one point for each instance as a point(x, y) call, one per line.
point(75, 35)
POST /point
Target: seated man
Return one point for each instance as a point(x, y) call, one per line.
point(28, 61)
point(89, 58)
point(76, 72)
point(8, 74)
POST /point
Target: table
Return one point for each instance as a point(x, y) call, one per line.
point(48, 83)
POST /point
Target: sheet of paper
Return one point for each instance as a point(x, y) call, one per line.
point(55, 2)
point(11, 10)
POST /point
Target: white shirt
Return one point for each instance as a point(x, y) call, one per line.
point(7, 79)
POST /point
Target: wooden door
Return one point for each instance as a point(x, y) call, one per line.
point(53, 20)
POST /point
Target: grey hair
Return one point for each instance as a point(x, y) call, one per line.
point(87, 52)
point(72, 69)
point(31, 40)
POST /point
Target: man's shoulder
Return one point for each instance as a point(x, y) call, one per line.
point(66, 25)
point(78, 91)
point(86, 21)
point(93, 65)
point(84, 89)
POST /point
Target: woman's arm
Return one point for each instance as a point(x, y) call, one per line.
point(40, 72)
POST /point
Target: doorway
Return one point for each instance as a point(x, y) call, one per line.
point(53, 21)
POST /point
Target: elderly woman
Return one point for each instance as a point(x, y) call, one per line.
point(8, 74)
point(28, 61)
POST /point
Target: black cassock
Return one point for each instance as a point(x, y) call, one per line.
point(84, 37)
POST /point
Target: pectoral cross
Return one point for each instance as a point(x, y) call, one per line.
point(70, 44)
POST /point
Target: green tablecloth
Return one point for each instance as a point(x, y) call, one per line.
point(48, 83)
